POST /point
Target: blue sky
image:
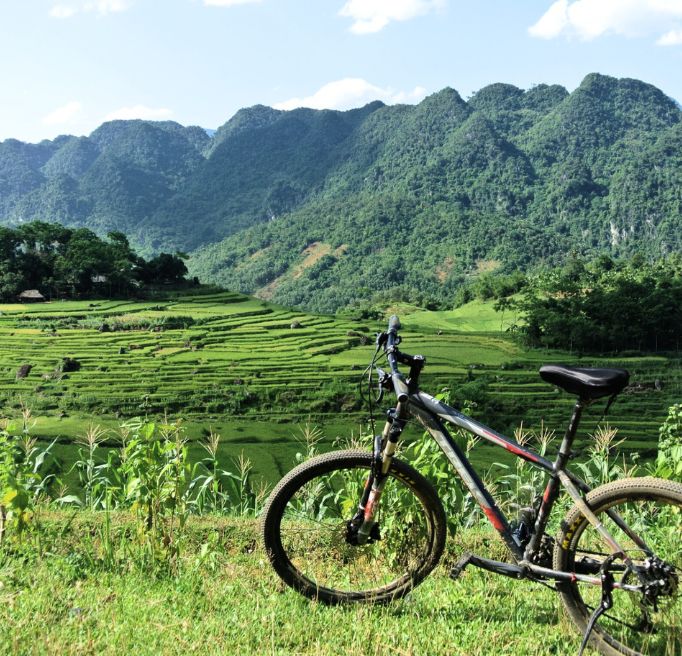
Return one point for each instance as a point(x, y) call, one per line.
point(69, 65)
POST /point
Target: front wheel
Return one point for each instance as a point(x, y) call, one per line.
point(636, 624)
point(305, 530)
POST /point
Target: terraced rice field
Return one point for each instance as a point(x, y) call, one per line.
point(255, 372)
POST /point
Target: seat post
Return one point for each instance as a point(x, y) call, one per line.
point(567, 443)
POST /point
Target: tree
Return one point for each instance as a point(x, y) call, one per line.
point(163, 269)
point(55, 259)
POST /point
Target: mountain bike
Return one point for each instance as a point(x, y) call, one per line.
point(361, 526)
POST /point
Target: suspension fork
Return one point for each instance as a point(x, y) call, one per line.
point(385, 446)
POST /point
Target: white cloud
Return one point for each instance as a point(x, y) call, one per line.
point(672, 38)
point(553, 22)
point(63, 115)
point(352, 92)
point(107, 6)
point(101, 7)
point(589, 19)
point(140, 111)
point(62, 11)
point(229, 3)
point(373, 15)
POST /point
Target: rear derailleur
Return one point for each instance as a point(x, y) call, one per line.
point(659, 580)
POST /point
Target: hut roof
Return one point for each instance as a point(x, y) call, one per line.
point(31, 294)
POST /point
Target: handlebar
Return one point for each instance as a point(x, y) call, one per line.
point(392, 340)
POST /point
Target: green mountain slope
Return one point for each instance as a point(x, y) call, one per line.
point(509, 178)
point(263, 164)
point(110, 180)
point(322, 208)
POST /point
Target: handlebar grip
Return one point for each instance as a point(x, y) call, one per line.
point(394, 324)
point(400, 387)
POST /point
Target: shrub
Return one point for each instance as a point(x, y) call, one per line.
point(669, 460)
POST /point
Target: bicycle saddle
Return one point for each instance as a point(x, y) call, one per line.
point(588, 384)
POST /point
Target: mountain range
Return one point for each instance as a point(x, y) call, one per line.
point(322, 208)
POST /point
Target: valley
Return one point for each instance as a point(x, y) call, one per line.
point(258, 373)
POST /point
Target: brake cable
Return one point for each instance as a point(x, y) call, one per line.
point(370, 399)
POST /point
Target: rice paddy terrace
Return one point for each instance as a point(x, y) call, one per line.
point(255, 372)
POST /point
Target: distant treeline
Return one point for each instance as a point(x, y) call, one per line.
point(599, 306)
point(65, 262)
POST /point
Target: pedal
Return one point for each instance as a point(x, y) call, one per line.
point(460, 566)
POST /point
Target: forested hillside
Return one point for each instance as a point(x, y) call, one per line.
point(321, 209)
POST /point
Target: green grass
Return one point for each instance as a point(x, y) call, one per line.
point(234, 603)
point(476, 316)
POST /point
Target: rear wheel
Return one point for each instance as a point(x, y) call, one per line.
point(305, 530)
point(652, 508)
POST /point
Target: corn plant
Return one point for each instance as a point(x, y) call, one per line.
point(308, 438)
point(156, 481)
point(249, 499)
point(95, 476)
point(219, 490)
point(603, 464)
point(522, 484)
point(669, 459)
point(426, 456)
point(23, 479)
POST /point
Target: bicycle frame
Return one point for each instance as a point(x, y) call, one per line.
point(434, 414)
point(364, 526)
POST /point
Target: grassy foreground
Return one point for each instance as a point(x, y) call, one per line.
point(227, 600)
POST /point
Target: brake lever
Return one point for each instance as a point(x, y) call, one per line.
point(384, 381)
